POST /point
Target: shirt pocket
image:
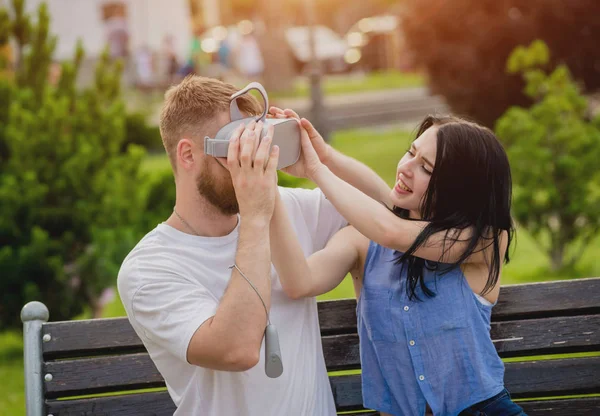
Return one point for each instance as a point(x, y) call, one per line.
point(443, 315)
point(376, 314)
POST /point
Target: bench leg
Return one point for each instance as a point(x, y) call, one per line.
point(33, 316)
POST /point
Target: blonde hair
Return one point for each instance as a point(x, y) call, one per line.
point(190, 107)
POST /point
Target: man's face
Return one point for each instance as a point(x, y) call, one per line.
point(214, 181)
point(214, 184)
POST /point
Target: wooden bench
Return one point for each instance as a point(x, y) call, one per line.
point(74, 358)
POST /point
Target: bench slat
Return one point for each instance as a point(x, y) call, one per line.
point(138, 404)
point(511, 339)
point(547, 336)
point(528, 301)
point(90, 337)
point(135, 371)
point(108, 336)
point(101, 375)
point(568, 407)
point(553, 377)
point(346, 393)
point(537, 300)
point(160, 404)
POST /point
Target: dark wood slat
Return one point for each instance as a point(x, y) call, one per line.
point(536, 300)
point(111, 373)
point(139, 404)
point(337, 316)
point(553, 377)
point(347, 392)
point(90, 337)
point(547, 336)
point(101, 375)
point(107, 336)
point(511, 339)
point(341, 352)
point(145, 404)
point(568, 407)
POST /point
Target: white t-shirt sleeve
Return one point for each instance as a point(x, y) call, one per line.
point(321, 217)
point(170, 310)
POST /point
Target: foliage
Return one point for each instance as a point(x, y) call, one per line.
point(69, 193)
point(463, 45)
point(554, 149)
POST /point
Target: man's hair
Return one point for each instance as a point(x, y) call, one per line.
point(191, 106)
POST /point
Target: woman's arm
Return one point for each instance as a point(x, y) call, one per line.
point(381, 225)
point(378, 223)
point(322, 271)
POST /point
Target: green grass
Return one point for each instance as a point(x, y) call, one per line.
point(12, 399)
point(380, 150)
point(348, 84)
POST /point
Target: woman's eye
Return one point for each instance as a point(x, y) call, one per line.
point(426, 171)
point(410, 153)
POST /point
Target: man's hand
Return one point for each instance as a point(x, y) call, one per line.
point(322, 149)
point(253, 175)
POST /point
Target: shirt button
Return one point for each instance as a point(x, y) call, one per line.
point(421, 378)
point(411, 343)
point(406, 308)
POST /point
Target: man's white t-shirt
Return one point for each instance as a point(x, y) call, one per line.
point(172, 282)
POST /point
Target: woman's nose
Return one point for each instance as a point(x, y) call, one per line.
point(405, 169)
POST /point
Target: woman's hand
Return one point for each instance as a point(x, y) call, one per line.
point(322, 149)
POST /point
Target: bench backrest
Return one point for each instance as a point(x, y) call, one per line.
point(90, 357)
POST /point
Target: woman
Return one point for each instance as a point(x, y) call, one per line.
point(426, 273)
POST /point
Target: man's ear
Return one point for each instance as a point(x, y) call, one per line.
point(185, 153)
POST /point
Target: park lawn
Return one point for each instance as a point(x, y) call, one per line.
point(355, 83)
point(380, 150)
point(12, 399)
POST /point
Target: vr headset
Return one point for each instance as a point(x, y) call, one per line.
point(286, 132)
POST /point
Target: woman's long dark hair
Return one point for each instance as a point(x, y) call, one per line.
point(470, 188)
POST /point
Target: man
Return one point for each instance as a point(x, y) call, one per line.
point(200, 320)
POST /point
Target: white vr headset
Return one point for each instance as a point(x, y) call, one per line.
point(286, 132)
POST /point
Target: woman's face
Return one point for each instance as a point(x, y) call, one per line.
point(414, 172)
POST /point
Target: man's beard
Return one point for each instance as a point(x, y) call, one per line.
point(220, 195)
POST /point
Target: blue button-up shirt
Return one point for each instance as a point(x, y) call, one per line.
point(437, 351)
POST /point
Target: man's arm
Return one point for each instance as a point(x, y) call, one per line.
point(231, 339)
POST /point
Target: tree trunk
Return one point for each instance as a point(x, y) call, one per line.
point(279, 68)
point(557, 255)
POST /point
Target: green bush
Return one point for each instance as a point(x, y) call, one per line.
point(70, 191)
point(138, 131)
point(554, 149)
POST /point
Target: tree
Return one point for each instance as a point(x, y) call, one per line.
point(554, 149)
point(70, 194)
point(463, 46)
point(279, 66)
